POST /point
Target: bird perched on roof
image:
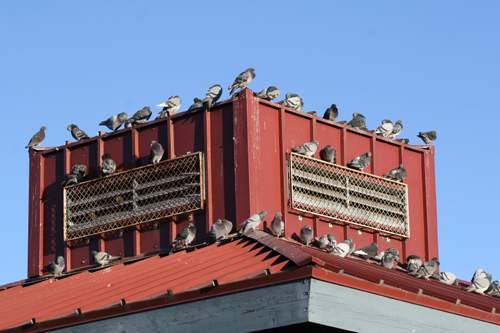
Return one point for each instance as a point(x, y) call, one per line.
point(37, 139)
point(493, 289)
point(413, 263)
point(397, 174)
point(306, 234)
point(331, 113)
point(393, 251)
point(269, 93)
point(76, 175)
point(252, 222)
point(55, 267)
point(114, 122)
point(156, 152)
point(213, 95)
point(480, 282)
point(406, 141)
point(103, 258)
point(171, 106)
point(332, 240)
point(396, 130)
point(327, 242)
point(308, 148)
point(185, 237)
point(140, 117)
point(343, 249)
point(242, 80)
point(360, 162)
point(220, 229)
point(367, 252)
point(196, 105)
point(428, 137)
point(385, 129)
point(328, 154)
point(278, 226)
point(446, 278)
point(358, 122)
point(108, 166)
point(428, 268)
point(387, 260)
point(77, 133)
point(293, 101)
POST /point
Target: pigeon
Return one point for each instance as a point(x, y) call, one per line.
point(252, 222)
point(446, 278)
point(103, 258)
point(385, 129)
point(406, 141)
point(308, 148)
point(77, 133)
point(413, 263)
point(331, 113)
point(358, 122)
point(185, 237)
point(367, 252)
point(360, 162)
point(242, 80)
point(480, 282)
point(393, 251)
point(428, 137)
point(196, 105)
point(76, 175)
point(493, 289)
point(398, 174)
point(342, 249)
point(306, 234)
point(269, 93)
point(428, 268)
point(396, 130)
point(170, 107)
point(37, 139)
point(387, 260)
point(156, 152)
point(115, 121)
point(213, 95)
point(332, 240)
point(352, 246)
point(55, 267)
point(323, 242)
point(108, 166)
point(140, 117)
point(278, 226)
point(220, 229)
point(328, 154)
point(293, 101)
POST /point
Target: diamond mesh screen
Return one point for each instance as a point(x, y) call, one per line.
point(336, 192)
point(132, 197)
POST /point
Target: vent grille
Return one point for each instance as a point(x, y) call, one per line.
point(329, 190)
point(132, 197)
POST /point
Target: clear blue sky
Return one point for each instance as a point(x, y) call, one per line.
point(433, 64)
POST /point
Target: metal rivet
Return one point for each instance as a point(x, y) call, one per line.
point(300, 217)
point(359, 232)
point(388, 239)
point(330, 225)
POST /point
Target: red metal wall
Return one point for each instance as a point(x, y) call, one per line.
point(245, 142)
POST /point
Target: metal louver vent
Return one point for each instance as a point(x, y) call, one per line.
point(343, 194)
point(132, 197)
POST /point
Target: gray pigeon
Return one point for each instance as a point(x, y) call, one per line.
point(480, 282)
point(446, 278)
point(413, 263)
point(493, 289)
point(406, 141)
point(293, 101)
point(332, 240)
point(331, 113)
point(396, 130)
point(358, 122)
point(140, 117)
point(343, 249)
point(103, 258)
point(55, 267)
point(185, 237)
point(367, 252)
point(108, 166)
point(269, 93)
point(398, 174)
point(428, 268)
point(114, 122)
point(252, 222)
point(387, 260)
point(308, 148)
point(156, 152)
point(360, 162)
point(393, 251)
point(213, 95)
point(352, 246)
point(171, 106)
point(428, 137)
point(385, 129)
point(278, 226)
point(77, 133)
point(323, 242)
point(220, 229)
point(37, 139)
point(328, 154)
point(76, 175)
point(242, 80)
point(306, 234)
point(196, 105)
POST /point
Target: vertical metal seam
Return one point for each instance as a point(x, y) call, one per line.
point(208, 165)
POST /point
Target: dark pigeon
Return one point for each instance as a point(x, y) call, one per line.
point(428, 137)
point(220, 229)
point(55, 267)
point(76, 175)
point(398, 174)
point(108, 166)
point(242, 80)
point(268, 94)
point(360, 162)
point(140, 117)
point(306, 234)
point(278, 226)
point(197, 104)
point(428, 268)
point(77, 133)
point(171, 106)
point(332, 240)
point(406, 141)
point(307, 149)
point(252, 222)
point(114, 122)
point(413, 263)
point(367, 252)
point(323, 242)
point(328, 154)
point(358, 122)
point(156, 152)
point(37, 139)
point(103, 258)
point(396, 130)
point(331, 113)
point(185, 237)
point(213, 95)
point(493, 289)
